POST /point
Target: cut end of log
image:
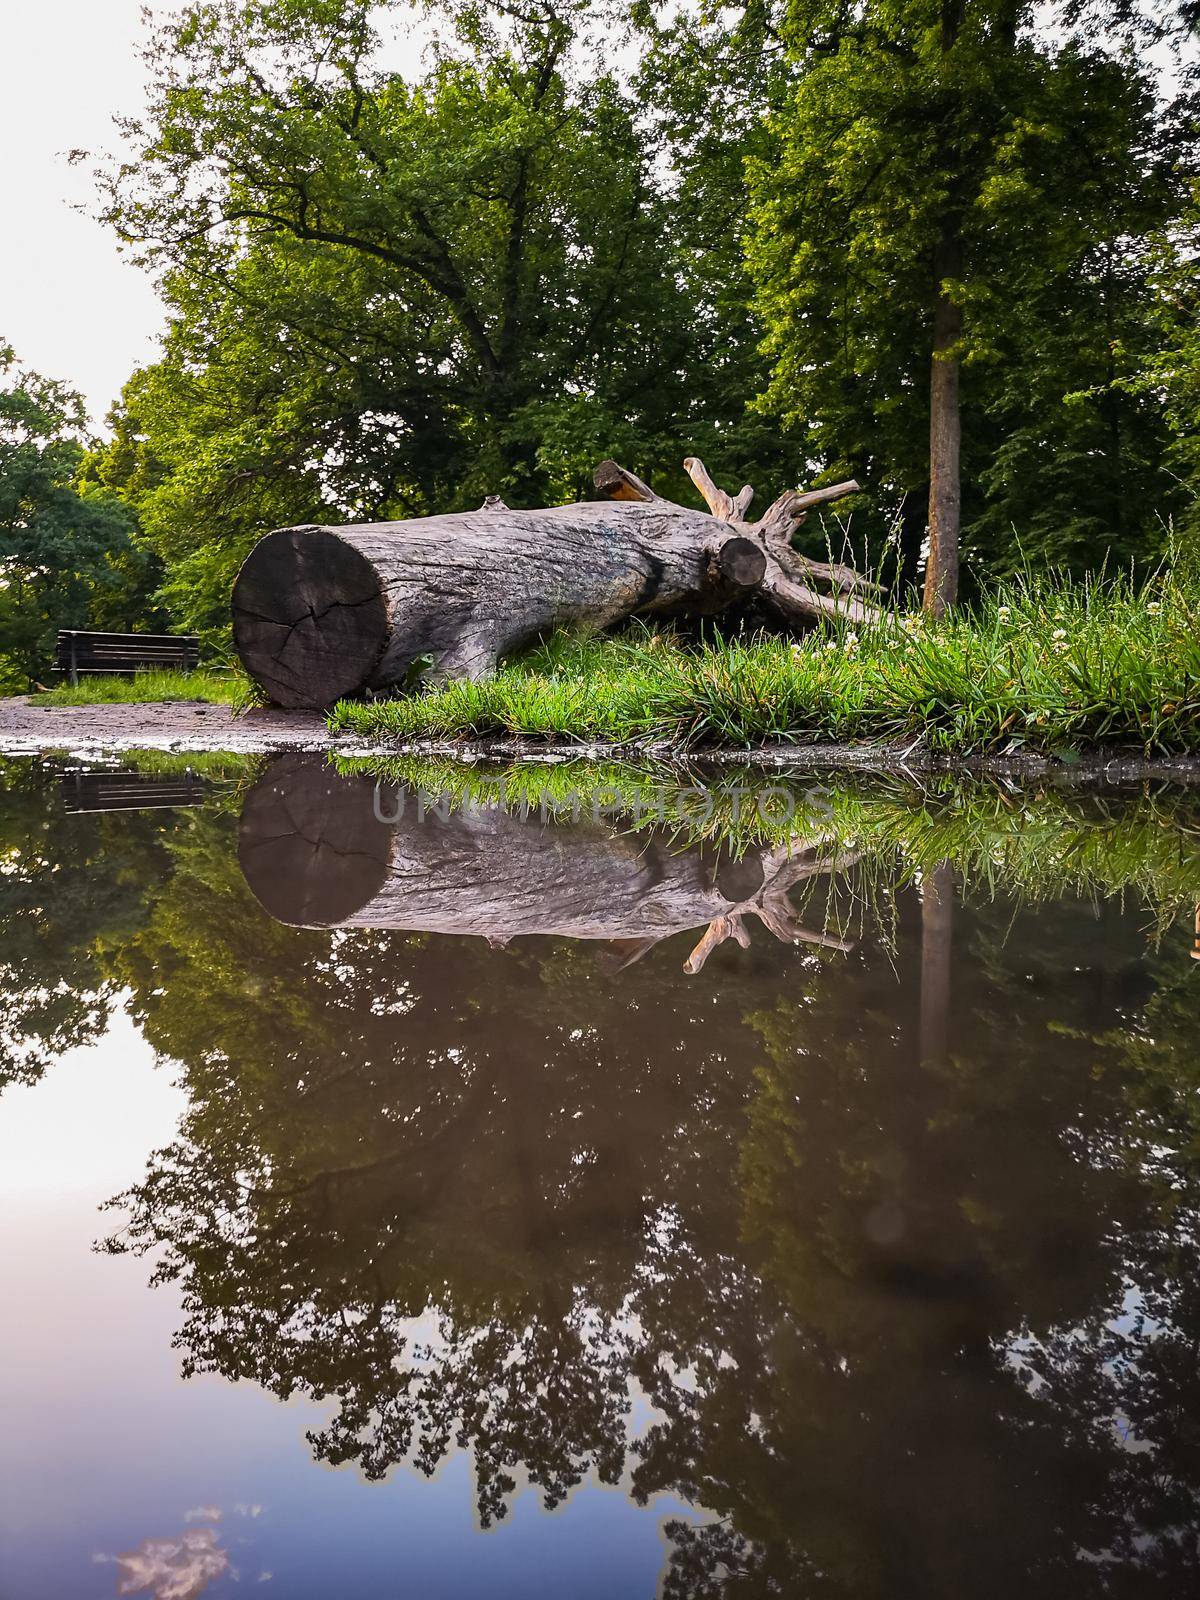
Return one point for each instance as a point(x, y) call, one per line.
point(310, 844)
point(309, 618)
point(739, 564)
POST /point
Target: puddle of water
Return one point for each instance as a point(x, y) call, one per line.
point(592, 1181)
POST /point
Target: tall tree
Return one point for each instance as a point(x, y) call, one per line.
point(389, 298)
point(944, 228)
point(66, 557)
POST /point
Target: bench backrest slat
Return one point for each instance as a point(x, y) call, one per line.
point(129, 638)
point(80, 650)
point(102, 791)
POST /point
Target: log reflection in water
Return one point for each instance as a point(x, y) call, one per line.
point(316, 851)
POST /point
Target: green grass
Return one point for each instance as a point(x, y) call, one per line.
point(1038, 844)
point(225, 767)
point(735, 810)
point(1055, 666)
point(145, 688)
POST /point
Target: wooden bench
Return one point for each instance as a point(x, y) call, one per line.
point(79, 652)
point(129, 791)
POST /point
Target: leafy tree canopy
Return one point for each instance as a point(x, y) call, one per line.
point(390, 298)
point(1015, 161)
point(66, 559)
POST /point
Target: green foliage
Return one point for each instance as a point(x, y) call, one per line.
point(1171, 368)
point(1052, 665)
point(1021, 167)
point(391, 299)
point(67, 559)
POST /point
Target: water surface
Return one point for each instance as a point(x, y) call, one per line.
point(574, 1185)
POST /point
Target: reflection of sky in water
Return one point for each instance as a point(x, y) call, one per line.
point(120, 1478)
point(174, 1569)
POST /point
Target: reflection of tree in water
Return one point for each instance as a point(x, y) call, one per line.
point(472, 1197)
point(378, 1130)
point(949, 1247)
point(71, 887)
point(900, 1323)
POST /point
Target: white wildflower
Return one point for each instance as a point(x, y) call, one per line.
point(1059, 633)
point(1004, 614)
point(1154, 608)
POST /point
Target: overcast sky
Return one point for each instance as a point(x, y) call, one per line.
point(70, 305)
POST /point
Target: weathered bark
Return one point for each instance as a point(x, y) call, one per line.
point(315, 853)
point(786, 586)
point(323, 612)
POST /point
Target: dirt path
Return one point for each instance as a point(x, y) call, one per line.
point(183, 725)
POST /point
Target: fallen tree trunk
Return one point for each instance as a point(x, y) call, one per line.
point(324, 612)
point(316, 854)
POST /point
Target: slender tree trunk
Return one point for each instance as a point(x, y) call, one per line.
point(945, 427)
point(945, 433)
